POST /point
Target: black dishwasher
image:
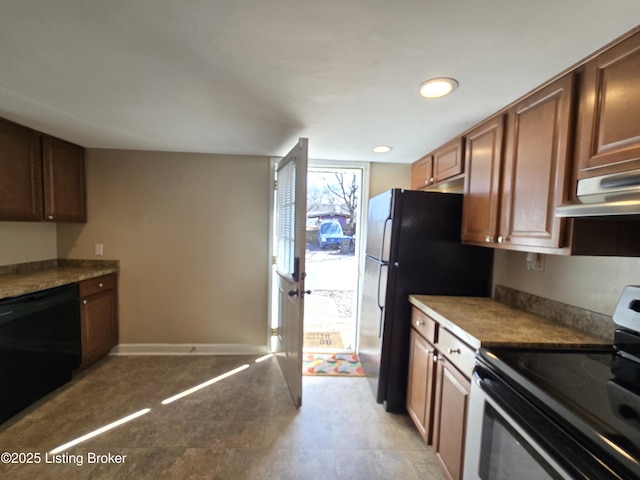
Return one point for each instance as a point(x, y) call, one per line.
point(39, 345)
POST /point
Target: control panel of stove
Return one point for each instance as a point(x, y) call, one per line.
point(627, 313)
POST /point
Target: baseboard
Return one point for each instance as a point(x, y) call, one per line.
point(188, 349)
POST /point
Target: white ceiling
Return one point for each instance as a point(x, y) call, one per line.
point(251, 76)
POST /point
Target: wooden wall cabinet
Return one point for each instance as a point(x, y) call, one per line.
point(43, 178)
point(98, 317)
point(21, 178)
point(482, 182)
point(422, 173)
point(448, 161)
point(537, 167)
point(442, 165)
point(518, 173)
point(64, 181)
point(609, 120)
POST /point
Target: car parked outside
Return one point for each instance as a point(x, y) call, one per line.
point(329, 234)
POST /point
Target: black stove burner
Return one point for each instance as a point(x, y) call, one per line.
point(570, 376)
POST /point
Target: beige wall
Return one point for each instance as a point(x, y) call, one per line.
point(592, 283)
point(384, 176)
point(22, 242)
point(190, 232)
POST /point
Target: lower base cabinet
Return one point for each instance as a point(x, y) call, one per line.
point(420, 385)
point(451, 406)
point(438, 390)
point(98, 318)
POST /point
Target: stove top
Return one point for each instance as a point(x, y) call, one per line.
point(589, 393)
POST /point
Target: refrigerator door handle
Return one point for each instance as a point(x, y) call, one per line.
point(382, 289)
point(385, 239)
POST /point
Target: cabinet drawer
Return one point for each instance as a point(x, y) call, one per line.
point(459, 353)
point(98, 284)
point(424, 325)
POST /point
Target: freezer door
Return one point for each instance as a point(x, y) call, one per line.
point(371, 317)
point(379, 223)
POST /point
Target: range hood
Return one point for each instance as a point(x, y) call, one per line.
point(615, 195)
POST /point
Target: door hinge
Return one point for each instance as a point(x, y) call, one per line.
point(274, 260)
point(275, 184)
point(275, 332)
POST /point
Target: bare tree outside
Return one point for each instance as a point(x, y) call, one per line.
point(335, 192)
point(345, 189)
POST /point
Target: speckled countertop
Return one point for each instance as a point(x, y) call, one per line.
point(31, 277)
point(484, 322)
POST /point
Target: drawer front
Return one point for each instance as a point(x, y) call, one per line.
point(96, 285)
point(457, 352)
point(424, 325)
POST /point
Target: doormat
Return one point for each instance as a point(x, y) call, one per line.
point(323, 340)
point(338, 364)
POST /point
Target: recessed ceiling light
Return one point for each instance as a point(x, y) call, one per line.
point(438, 87)
point(381, 149)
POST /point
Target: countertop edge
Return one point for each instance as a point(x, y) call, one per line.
point(447, 324)
point(477, 343)
point(29, 278)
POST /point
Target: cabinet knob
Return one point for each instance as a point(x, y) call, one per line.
point(488, 239)
point(453, 350)
point(428, 351)
point(419, 322)
point(84, 302)
point(431, 180)
point(50, 217)
point(502, 239)
point(100, 285)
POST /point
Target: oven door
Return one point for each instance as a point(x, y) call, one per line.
point(508, 438)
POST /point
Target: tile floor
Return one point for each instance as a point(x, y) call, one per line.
point(242, 427)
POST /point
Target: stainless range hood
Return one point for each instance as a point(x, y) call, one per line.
point(615, 195)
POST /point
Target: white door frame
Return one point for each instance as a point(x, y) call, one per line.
point(361, 239)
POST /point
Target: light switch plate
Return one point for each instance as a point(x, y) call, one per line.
point(99, 249)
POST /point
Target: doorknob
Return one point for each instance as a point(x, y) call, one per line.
point(296, 292)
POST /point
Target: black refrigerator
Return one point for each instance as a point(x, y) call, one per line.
point(413, 247)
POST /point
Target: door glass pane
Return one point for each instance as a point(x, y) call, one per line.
point(286, 208)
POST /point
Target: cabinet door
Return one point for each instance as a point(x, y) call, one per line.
point(420, 384)
point(536, 167)
point(483, 157)
point(448, 161)
point(609, 128)
point(64, 181)
point(21, 178)
point(422, 173)
point(97, 318)
point(452, 397)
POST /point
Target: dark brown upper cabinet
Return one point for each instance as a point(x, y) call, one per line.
point(20, 173)
point(64, 181)
point(41, 177)
point(609, 120)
